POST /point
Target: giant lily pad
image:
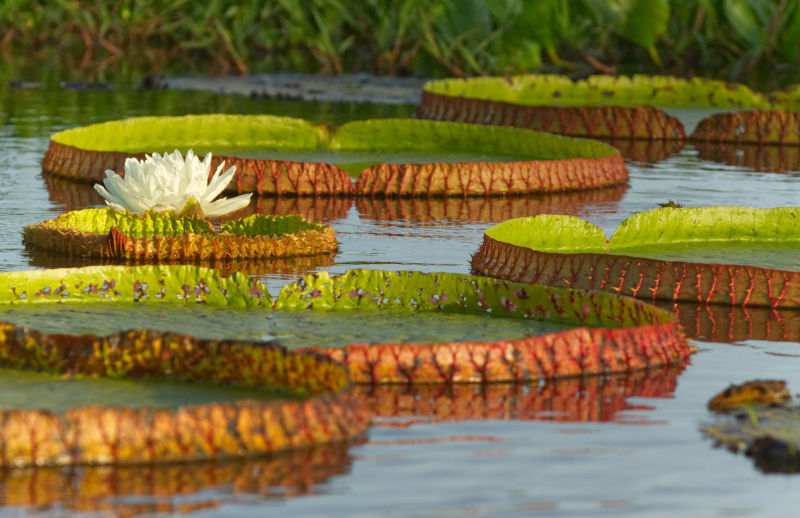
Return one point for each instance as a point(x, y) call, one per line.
point(389, 157)
point(750, 127)
point(99, 435)
point(106, 233)
point(597, 333)
point(718, 255)
point(635, 337)
point(599, 106)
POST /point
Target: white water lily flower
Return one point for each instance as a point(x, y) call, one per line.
point(168, 182)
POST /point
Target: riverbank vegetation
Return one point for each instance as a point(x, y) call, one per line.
point(739, 40)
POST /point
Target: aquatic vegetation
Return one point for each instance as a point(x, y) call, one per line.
point(636, 336)
point(750, 127)
point(389, 157)
point(324, 413)
point(639, 337)
point(599, 106)
point(756, 392)
point(161, 236)
point(170, 182)
point(615, 107)
point(610, 333)
point(707, 255)
point(761, 422)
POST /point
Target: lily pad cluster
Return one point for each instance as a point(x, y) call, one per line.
point(106, 233)
point(637, 336)
point(497, 160)
point(709, 255)
point(324, 412)
point(614, 107)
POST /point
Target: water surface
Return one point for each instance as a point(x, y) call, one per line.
point(648, 458)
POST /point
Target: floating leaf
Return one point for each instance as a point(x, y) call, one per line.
point(725, 255)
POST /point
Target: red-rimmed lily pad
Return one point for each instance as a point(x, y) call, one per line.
point(750, 127)
point(389, 157)
point(717, 255)
point(316, 409)
point(633, 336)
point(163, 236)
point(488, 330)
point(615, 107)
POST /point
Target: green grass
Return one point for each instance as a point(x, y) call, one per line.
point(725, 39)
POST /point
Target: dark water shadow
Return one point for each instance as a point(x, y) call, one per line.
point(589, 399)
point(172, 488)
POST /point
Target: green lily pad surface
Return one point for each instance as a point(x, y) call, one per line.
point(768, 238)
point(169, 236)
point(453, 312)
point(292, 329)
point(57, 393)
point(281, 155)
point(724, 255)
point(355, 161)
point(614, 107)
point(631, 91)
point(100, 221)
point(265, 136)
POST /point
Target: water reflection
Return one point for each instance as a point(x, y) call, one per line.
point(761, 158)
point(285, 267)
point(718, 323)
point(173, 488)
point(646, 151)
point(594, 398)
point(443, 211)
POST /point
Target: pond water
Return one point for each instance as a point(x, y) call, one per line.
point(616, 448)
